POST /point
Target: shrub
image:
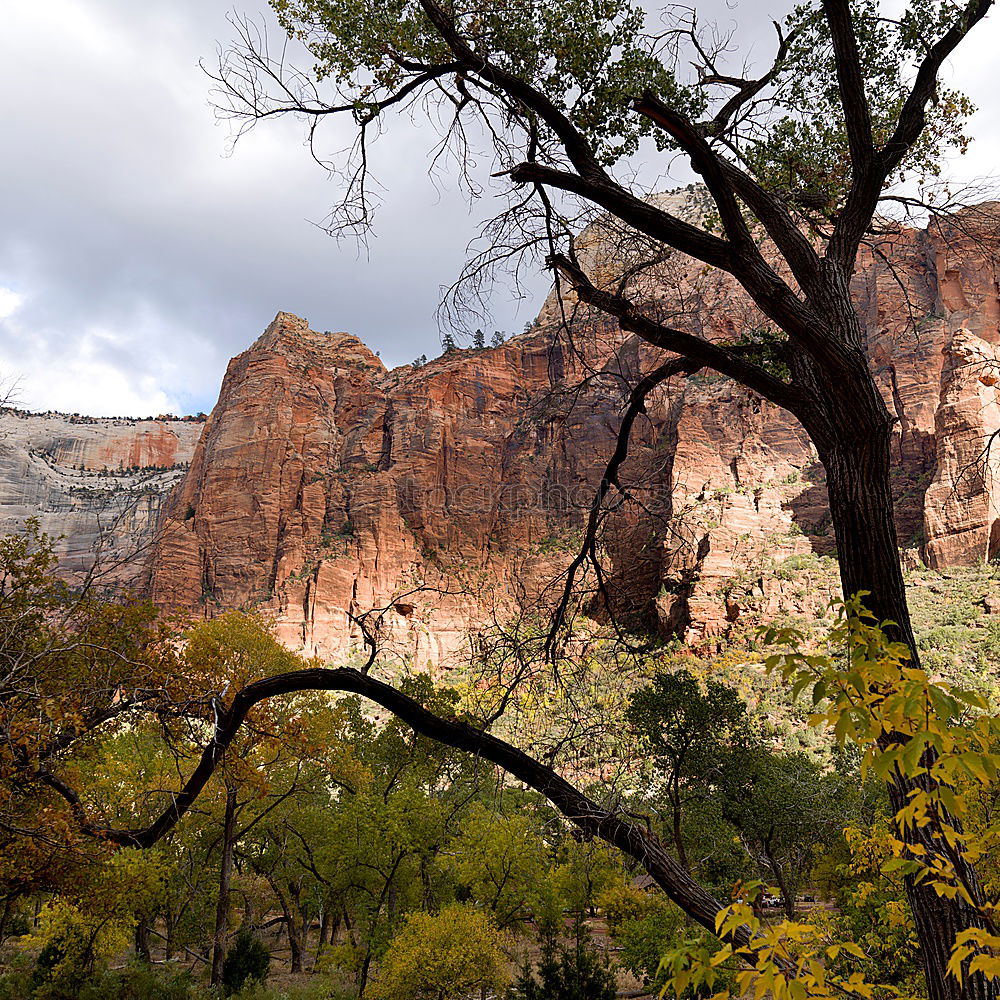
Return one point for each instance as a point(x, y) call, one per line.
point(141, 982)
point(576, 971)
point(315, 988)
point(622, 903)
point(17, 926)
point(16, 984)
point(248, 960)
point(645, 939)
point(442, 956)
point(65, 959)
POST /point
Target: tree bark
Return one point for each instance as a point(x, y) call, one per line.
point(225, 878)
point(861, 506)
point(391, 903)
point(142, 940)
point(676, 817)
point(366, 966)
point(349, 927)
point(297, 925)
point(326, 926)
point(168, 938)
point(787, 897)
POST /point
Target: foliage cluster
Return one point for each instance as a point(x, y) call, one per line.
point(400, 865)
point(939, 746)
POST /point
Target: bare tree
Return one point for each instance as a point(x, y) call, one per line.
point(797, 161)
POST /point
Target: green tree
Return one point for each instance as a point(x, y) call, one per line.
point(785, 807)
point(946, 741)
point(583, 870)
point(246, 961)
point(237, 648)
point(92, 922)
point(867, 691)
point(689, 732)
point(374, 848)
point(502, 860)
point(644, 940)
point(574, 970)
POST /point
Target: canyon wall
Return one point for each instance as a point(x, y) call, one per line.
point(325, 487)
point(95, 485)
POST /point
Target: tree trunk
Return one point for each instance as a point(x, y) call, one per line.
point(351, 936)
point(676, 816)
point(787, 896)
point(296, 926)
point(862, 511)
point(142, 940)
point(861, 507)
point(168, 938)
point(366, 966)
point(225, 877)
point(295, 944)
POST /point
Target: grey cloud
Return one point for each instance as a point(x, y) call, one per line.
point(146, 257)
point(121, 212)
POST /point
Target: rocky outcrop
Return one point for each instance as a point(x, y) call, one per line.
point(963, 501)
point(325, 486)
point(94, 484)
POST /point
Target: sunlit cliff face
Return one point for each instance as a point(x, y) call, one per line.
point(324, 486)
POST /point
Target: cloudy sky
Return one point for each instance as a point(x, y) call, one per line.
point(137, 255)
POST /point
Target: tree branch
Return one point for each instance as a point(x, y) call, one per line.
point(577, 148)
point(702, 352)
point(912, 117)
point(633, 211)
point(705, 161)
point(591, 818)
point(773, 214)
point(746, 90)
point(871, 171)
point(636, 405)
point(725, 181)
point(851, 82)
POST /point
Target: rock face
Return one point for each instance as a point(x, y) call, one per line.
point(324, 486)
point(98, 483)
point(963, 501)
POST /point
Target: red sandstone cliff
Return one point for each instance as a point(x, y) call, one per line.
point(324, 485)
